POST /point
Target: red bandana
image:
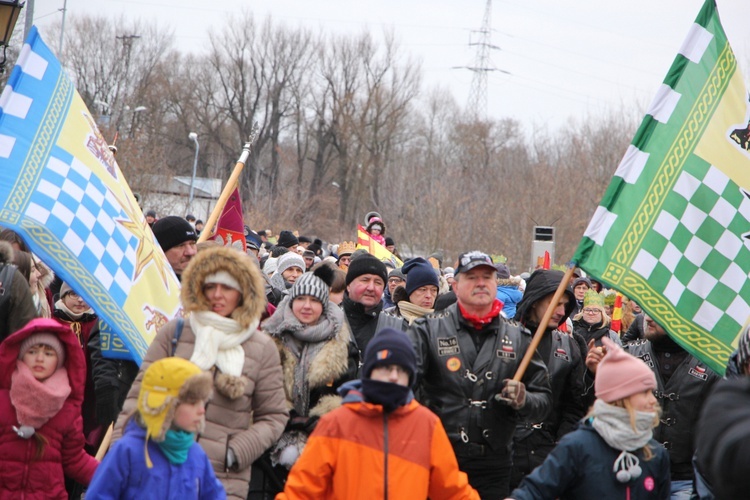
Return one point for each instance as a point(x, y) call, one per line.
point(479, 323)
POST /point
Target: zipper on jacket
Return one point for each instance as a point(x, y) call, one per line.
point(385, 455)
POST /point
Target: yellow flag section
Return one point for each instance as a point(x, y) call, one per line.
point(63, 192)
point(375, 248)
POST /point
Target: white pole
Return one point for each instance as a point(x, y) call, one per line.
point(62, 28)
point(193, 137)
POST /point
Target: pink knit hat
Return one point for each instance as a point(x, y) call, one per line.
point(620, 374)
point(48, 339)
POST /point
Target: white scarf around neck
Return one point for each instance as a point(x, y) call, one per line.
point(218, 341)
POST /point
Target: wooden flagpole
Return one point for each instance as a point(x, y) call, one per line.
point(543, 324)
point(208, 230)
point(105, 443)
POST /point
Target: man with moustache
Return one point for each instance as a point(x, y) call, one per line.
point(533, 441)
point(467, 355)
point(684, 383)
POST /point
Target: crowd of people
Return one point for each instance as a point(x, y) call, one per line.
point(300, 369)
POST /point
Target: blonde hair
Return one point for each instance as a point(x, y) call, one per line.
point(606, 320)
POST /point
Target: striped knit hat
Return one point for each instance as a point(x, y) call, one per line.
point(316, 284)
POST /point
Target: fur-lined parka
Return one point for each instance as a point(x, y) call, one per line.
point(334, 364)
point(249, 422)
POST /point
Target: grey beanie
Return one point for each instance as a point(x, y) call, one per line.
point(290, 259)
point(309, 284)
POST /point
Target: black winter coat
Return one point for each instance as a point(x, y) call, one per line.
point(580, 467)
point(460, 383)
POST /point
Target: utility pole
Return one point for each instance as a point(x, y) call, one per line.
point(62, 28)
point(29, 22)
point(124, 81)
point(477, 102)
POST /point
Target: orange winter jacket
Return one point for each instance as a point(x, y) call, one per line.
point(357, 451)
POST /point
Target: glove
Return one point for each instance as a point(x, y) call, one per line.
point(231, 459)
point(106, 406)
point(513, 394)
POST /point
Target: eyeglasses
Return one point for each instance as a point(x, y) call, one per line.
point(395, 281)
point(589, 310)
point(73, 295)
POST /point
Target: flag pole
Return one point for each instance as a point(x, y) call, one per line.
point(229, 187)
point(105, 443)
point(543, 324)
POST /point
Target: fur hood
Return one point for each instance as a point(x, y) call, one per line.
point(239, 265)
point(6, 253)
point(47, 276)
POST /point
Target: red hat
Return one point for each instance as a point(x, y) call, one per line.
point(620, 374)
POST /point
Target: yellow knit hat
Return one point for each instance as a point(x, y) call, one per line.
point(593, 299)
point(167, 382)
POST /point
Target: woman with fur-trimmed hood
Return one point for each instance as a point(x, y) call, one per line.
point(317, 356)
point(223, 299)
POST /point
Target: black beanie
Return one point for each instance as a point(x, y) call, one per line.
point(419, 273)
point(366, 264)
point(172, 231)
point(390, 347)
point(287, 239)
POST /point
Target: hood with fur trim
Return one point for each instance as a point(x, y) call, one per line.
point(239, 265)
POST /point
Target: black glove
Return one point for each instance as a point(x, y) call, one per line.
point(107, 408)
point(310, 424)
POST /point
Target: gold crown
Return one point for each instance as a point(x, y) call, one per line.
point(347, 247)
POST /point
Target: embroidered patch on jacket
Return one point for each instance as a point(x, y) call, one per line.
point(698, 372)
point(506, 350)
point(453, 364)
point(448, 346)
point(560, 353)
point(646, 357)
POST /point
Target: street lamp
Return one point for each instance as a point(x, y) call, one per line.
point(9, 10)
point(193, 137)
point(134, 112)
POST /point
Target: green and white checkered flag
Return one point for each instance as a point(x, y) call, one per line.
point(673, 229)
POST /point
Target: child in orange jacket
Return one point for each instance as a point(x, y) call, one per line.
point(381, 443)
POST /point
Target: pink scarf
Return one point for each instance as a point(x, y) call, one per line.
point(36, 402)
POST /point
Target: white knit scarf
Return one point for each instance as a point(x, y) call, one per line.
point(218, 341)
point(613, 425)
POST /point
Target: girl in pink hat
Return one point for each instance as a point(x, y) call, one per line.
point(612, 453)
point(42, 376)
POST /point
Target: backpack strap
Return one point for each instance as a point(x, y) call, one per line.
point(177, 334)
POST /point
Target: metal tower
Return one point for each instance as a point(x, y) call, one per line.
point(477, 103)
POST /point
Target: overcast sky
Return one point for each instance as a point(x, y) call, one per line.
point(573, 59)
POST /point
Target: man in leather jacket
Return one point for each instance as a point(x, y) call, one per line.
point(561, 353)
point(467, 355)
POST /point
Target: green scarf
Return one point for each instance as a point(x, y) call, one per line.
point(176, 445)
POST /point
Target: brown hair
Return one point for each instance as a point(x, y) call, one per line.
point(339, 276)
point(41, 443)
point(13, 237)
point(24, 263)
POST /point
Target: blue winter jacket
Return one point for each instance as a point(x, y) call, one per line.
point(123, 473)
point(509, 296)
point(580, 466)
